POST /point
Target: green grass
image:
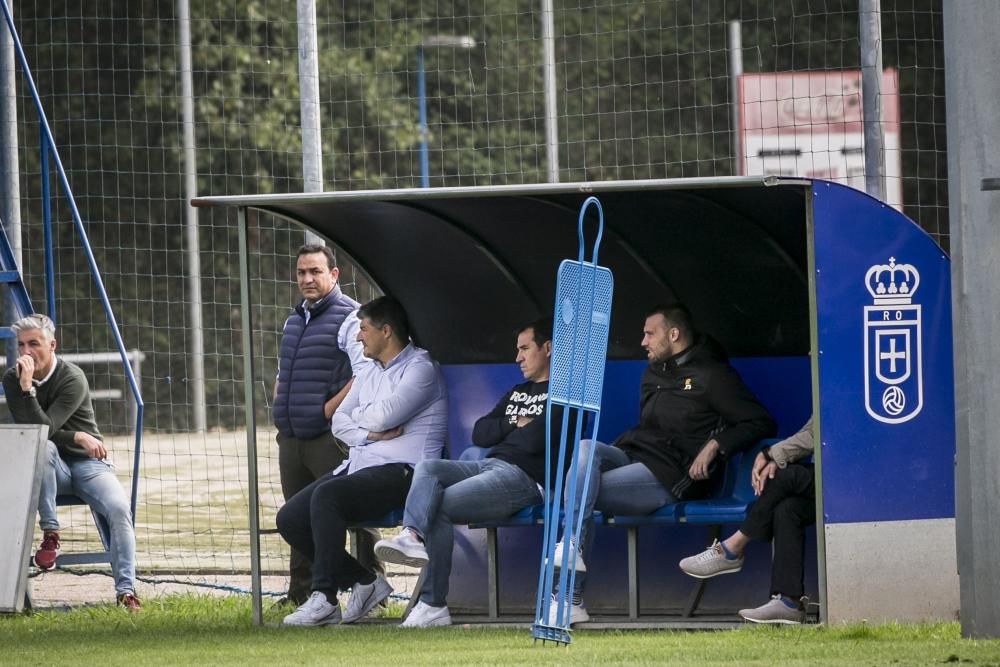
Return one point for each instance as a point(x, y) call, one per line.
point(191, 630)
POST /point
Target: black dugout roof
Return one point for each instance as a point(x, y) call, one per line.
point(472, 264)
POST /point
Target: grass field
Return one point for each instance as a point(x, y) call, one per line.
point(188, 630)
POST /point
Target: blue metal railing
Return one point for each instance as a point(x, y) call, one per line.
point(47, 148)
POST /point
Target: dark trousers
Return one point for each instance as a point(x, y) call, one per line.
point(300, 463)
point(315, 520)
point(785, 508)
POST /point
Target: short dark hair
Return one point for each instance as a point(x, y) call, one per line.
point(676, 315)
point(313, 248)
point(386, 310)
point(541, 330)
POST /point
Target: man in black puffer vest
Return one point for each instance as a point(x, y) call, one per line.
point(314, 374)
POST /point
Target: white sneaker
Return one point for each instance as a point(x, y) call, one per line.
point(577, 614)
point(364, 598)
point(315, 611)
point(426, 616)
point(575, 557)
point(404, 549)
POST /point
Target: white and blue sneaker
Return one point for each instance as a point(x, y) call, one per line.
point(314, 612)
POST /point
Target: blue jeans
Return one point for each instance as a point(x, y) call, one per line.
point(95, 483)
point(618, 485)
point(444, 493)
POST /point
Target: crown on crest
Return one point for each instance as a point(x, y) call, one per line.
point(892, 284)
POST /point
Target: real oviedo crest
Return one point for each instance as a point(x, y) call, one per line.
point(894, 389)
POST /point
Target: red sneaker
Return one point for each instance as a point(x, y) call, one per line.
point(130, 602)
point(45, 557)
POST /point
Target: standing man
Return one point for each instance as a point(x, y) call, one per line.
point(395, 415)
point(694, 411)
point(444, 493)
point(787, 506)
point(314, 375)
point(42, 389)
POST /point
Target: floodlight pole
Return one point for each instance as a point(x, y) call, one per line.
point(191, 227)
point(549, 80)
point(870, 43)
point(10, 203)
point(440, 41)
point(735, 71)
point(311, 126)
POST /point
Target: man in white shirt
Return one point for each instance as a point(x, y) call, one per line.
point(394, 415)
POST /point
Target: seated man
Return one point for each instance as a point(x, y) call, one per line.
point(394, 415)
point(42, 389)
point(693, 410)
point(786, 507)
point(506, 480)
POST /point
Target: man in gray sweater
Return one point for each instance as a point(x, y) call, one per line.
point(42, 389)
point(787, 505)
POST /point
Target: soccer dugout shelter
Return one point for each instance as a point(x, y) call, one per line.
point(827, 301)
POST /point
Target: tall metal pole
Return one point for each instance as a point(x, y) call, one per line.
point(312, 141)
point(972, 87)
point(425, 175)
point(197, 370)
point(250, 409)
point(735, 70)
point(10, 188)
point(10, 200)
point(870, 38)
point(549, 80)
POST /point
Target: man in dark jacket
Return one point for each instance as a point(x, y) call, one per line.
point(314, 375)
point(444, 493)
point(694, 411)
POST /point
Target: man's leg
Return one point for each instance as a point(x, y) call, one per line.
point(55, 477)
point(791, 517)
point(294, 522)
point(54, 471)
point(606, 458)
point(321, 456)
point(794, 480)
point(626, 489)
point(95, 482)
point(295, 476)
point(499, 490)
point(341, 501)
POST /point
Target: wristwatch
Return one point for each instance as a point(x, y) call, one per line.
point(29, 392)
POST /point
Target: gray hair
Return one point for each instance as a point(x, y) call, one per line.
point(36, 321)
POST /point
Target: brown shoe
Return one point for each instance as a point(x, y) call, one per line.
point(45, 557)
point(130, 602)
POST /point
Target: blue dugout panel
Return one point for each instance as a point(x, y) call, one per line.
point(827, 301)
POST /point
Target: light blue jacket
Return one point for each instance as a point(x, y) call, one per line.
point(408, 392)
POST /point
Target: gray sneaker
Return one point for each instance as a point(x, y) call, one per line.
point(711, 562)
point(364, 598)
point(775, 611)
point(314, 612)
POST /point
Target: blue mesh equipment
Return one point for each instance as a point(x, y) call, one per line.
point(581, 322)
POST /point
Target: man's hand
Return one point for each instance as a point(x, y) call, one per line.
point(95, 448)
point(523, 421)
point(763, 470)
point(699, 467)
point(25, 371)
point(376, 436)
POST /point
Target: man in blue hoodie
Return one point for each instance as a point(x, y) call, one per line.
point(314, 374)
